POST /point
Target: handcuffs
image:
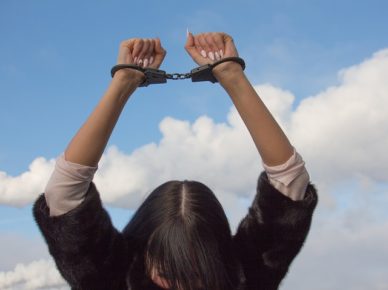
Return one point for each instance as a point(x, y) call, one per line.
point(199, 74)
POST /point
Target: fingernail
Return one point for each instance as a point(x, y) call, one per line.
point(151, 59)
point(140, 62)
point(146, 62)
point(217, 55)
point(203, 53)
point(211, 55)
point(135, 59)
point(187, 32)
point(222, 53)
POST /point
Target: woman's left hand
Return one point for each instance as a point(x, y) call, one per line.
point(205, 48)
point(210, 47)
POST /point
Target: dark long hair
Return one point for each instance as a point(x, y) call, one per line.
point(182, 231)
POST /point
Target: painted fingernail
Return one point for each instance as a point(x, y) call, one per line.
point(211, 55)
point(203, 53)
point(222, 53)
point(146, 62)
point(217, 55)
point(151, 60)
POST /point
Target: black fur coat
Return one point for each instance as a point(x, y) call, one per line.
point(92, 255)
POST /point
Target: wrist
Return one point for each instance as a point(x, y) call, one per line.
point(126, 81)
point(129, 76)
point(227, 71)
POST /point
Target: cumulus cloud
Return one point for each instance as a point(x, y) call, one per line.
point(336, 257)
point(22, 190)
point(19, 248)
point(41, 274)
point(220, 155)
point(347, 248)
point(341, 132)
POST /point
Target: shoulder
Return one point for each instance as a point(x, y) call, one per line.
point(89, 252)
point(272, 233)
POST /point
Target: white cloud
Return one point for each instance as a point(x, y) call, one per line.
point(20, 248)
point(341, 132)
point(344, 251)
point(41, 274)
point(223, 151)
point(23, 189)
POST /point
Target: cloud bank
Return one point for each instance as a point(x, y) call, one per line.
point(22, 190)
point(40, 274)
point(342, 133)
point(345, 127)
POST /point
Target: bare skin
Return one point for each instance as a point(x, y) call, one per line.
point(270, 140)
point(89, 143)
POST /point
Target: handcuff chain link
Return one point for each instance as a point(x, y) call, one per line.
point(178, 76)
point(199, 74)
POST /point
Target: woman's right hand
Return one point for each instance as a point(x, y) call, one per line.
point(144, 52)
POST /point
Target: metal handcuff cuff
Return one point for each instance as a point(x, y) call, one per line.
point(200, 74)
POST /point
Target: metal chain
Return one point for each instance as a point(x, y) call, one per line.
point(199, 74)
point(178, 76)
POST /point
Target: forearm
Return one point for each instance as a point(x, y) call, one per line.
point(88, 144)
point(270, 140)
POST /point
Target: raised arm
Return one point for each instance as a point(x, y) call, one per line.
point(74, 171)
point(270, 140)
point(273, 231)
point(89, 252)
point(89, 143)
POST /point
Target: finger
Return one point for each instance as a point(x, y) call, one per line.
point(158, 46)
point(124, 55)
point(141, 61)
point(213, 50)
point(191, 48)
point(137, 47)
point(201, 45)
point(151, 51)
point(230, 48)
point(160, 53)
point(189, 41)
point(219, 43)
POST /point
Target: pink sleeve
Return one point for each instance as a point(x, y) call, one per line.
point(290, 178)
point(67, 185)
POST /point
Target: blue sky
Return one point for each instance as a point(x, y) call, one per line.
point(56, 56)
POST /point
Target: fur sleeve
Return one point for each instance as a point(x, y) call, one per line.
point(88, 251)
point(272, 234)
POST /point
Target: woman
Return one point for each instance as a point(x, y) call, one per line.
point(179, 238)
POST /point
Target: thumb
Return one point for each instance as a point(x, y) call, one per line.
point(189, 39)
point(189, 46)
point(191, 49)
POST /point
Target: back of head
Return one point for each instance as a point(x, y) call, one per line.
point(182, 233)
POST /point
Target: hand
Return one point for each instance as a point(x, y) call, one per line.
point(142, 52)
point(210, 47)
